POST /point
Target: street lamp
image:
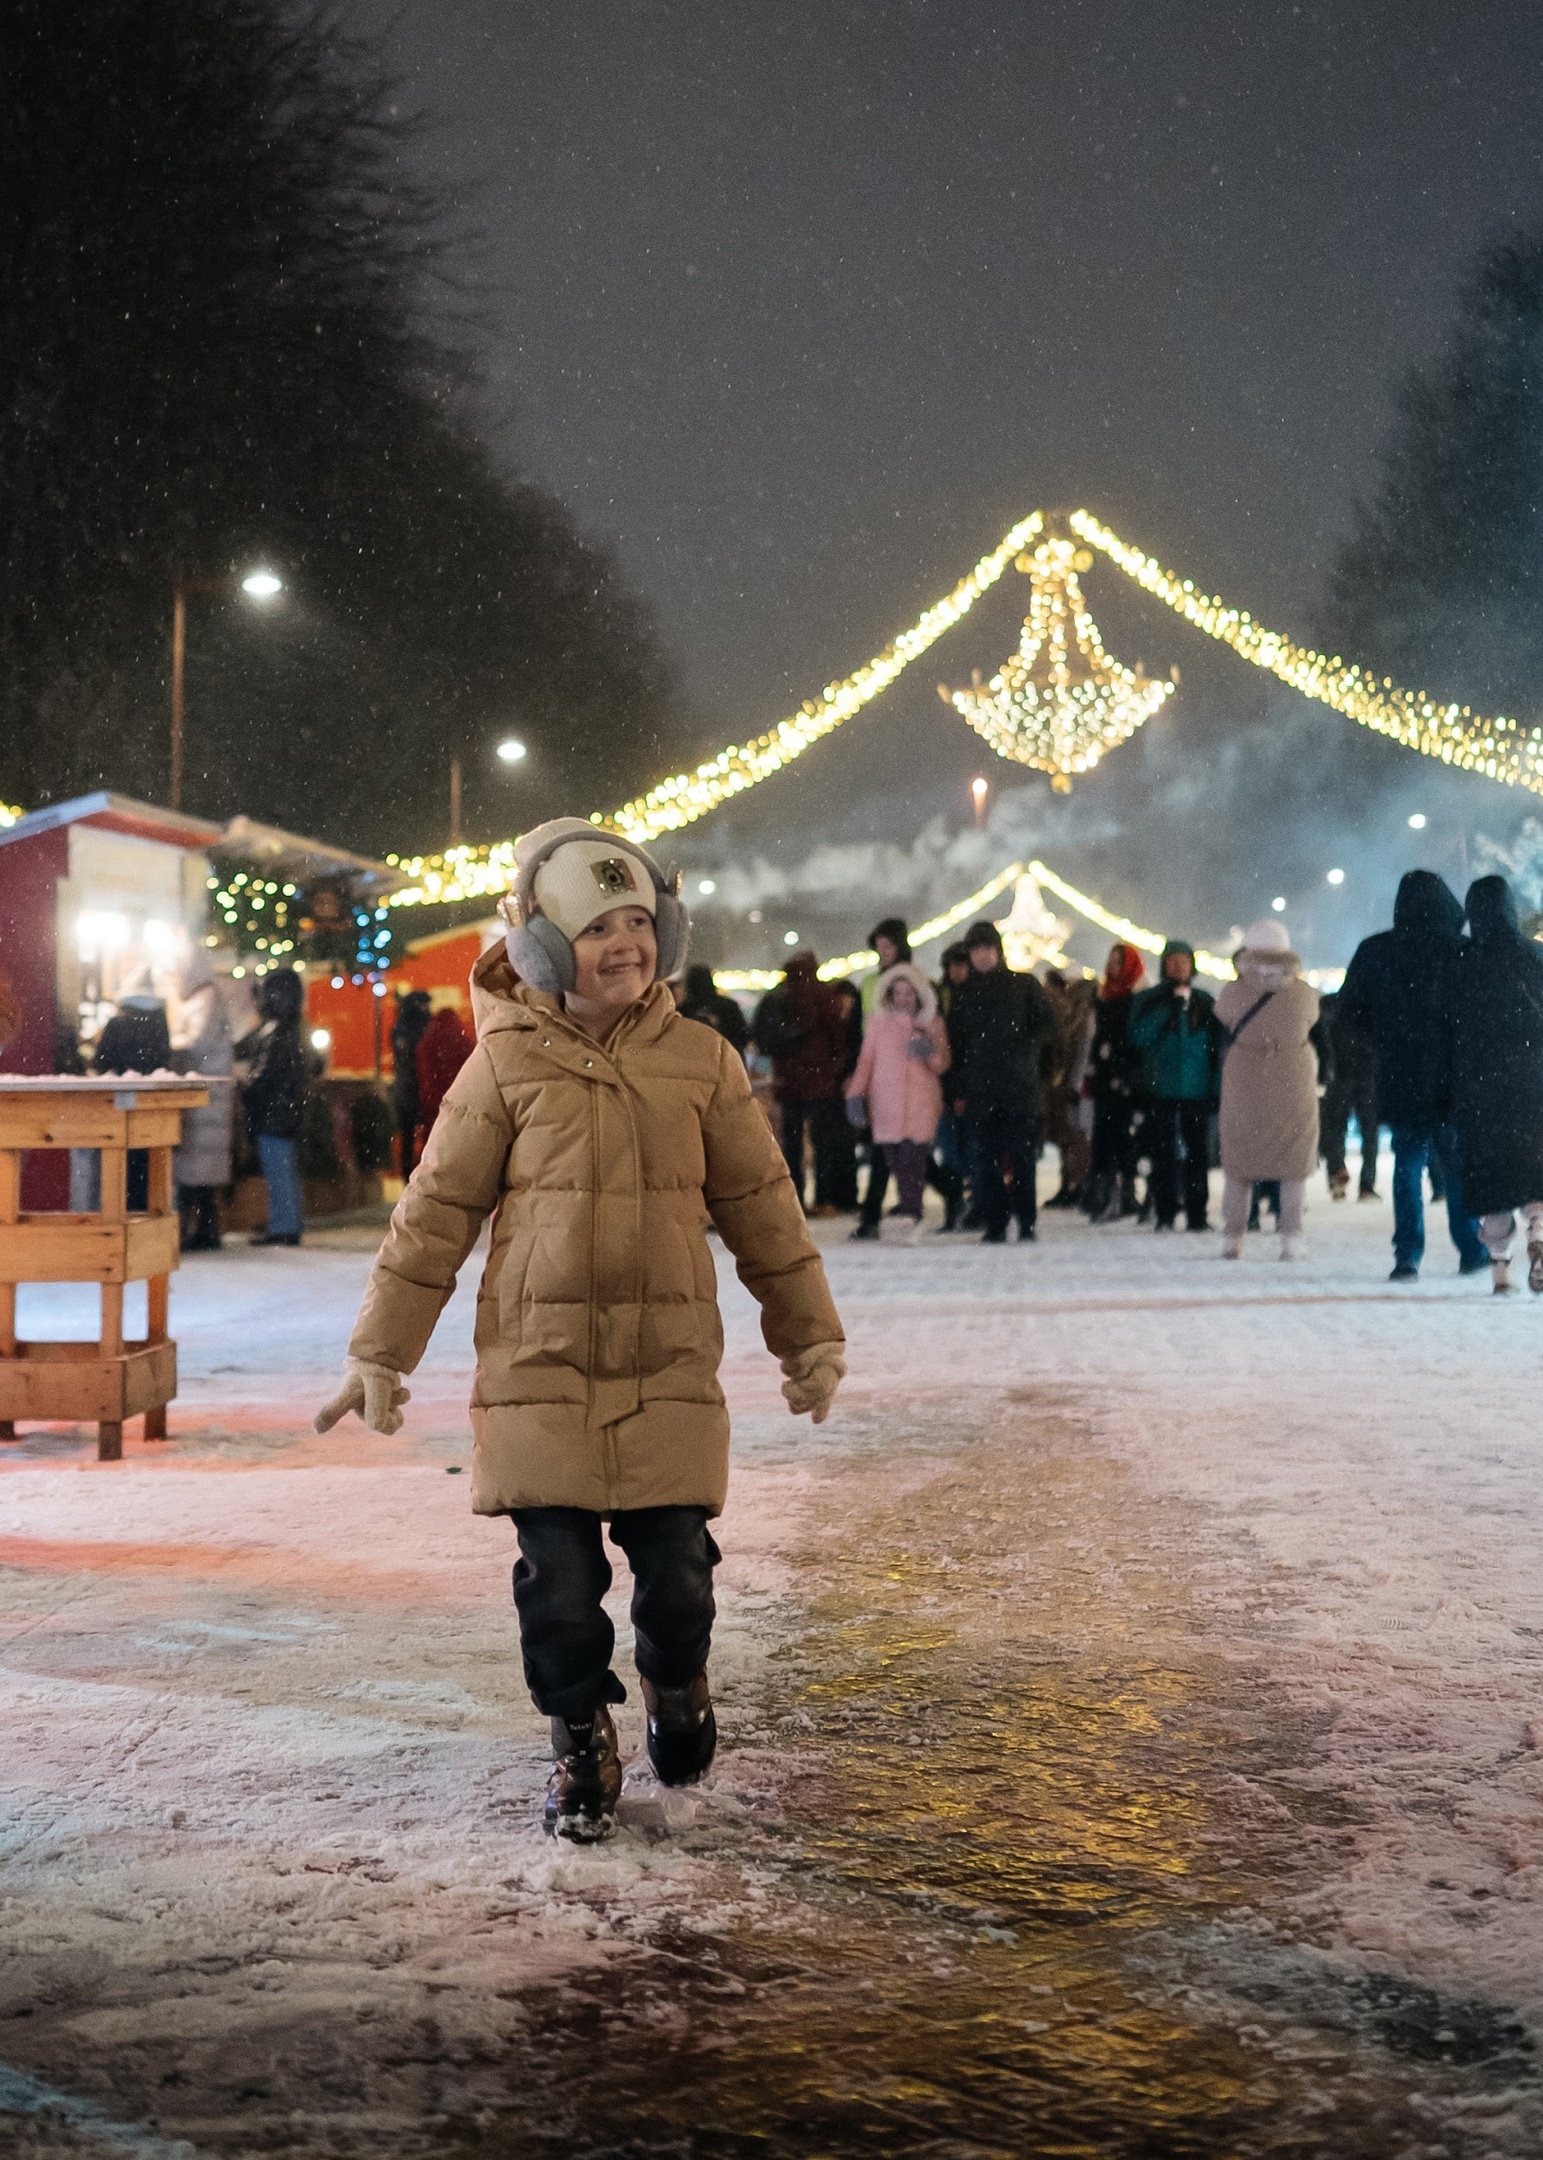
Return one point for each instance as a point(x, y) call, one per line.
point(259, 585)
point(511, 750)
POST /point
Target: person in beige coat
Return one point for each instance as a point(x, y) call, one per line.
point(1269, 1107)
point(600, 1130)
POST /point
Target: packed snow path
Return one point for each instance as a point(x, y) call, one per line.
point(1132, 1716)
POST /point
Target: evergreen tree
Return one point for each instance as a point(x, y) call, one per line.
point(213, 284)
point(1441, 583)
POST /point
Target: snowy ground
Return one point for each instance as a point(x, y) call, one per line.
point(1134, 1740)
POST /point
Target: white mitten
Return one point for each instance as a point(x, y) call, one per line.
point(813, 1377)
point(375, 1392)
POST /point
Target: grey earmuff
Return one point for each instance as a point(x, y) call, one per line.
point(542, 956)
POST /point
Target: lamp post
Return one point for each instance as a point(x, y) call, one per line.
point(259, 585)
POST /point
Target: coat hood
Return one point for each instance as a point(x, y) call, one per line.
point(1492, 910)
point(1123, 972)
point(1427, 907)
point(906, 971)
point(1266, 970)
point(892, 927)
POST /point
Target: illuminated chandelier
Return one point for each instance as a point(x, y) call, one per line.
point(1061, 701)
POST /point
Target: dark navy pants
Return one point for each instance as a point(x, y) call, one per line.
point(566, 1636)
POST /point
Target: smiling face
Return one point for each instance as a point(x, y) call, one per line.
point(614, 958)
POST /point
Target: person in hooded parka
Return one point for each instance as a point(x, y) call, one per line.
point(1389, 1000)
point(1269, 1108)
point(1489, 1075)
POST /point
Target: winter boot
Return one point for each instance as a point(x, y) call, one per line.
point(902, 1230)
point(1339, 1184)
point(585, 1784)
point(1293, 1246)
point(1535, 1266)
point(1500, 1276)
point(1232, 1247)
point(682, 1731)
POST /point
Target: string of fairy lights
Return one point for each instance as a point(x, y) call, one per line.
point(1501, 749)
point(937, 927)
point(1090, 720)
point(470, 873)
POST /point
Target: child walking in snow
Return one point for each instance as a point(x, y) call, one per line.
point(905, 1049)
point(599, 1129)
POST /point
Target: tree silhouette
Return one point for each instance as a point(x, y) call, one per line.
point(1441, 583)
point(216, 277)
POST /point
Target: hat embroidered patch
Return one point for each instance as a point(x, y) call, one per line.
point(613, 875)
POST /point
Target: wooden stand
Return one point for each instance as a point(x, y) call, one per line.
point(109, 1380)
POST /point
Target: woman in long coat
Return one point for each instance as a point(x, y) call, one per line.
point(1269, 1109)
point(1490, 1059)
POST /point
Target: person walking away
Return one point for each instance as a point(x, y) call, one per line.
point(443, 1048)
point(1269, 1105)
point(895, 1088)
point(799, 1025)
point(407, 1031)
point(1114, 1085)
point(1000, 1029)
point(704, 1001)
point(1489, 1075)
point(135, 1040)
point(201, 1165)
point(1173, 1026)
point(1068, 1125)
point(599, 1129)
point(891, 941)
point(1389, 997)
point(274, 1101)
point(1349, 1090)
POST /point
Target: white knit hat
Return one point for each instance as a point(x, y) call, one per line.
point(1269, 934)
point(586, 876)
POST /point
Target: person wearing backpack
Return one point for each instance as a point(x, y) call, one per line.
point(1269, 1108)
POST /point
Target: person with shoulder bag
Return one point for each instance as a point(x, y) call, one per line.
point(1269, 1106)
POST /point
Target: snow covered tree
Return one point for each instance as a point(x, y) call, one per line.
point(217, 278)
point(1441, 583)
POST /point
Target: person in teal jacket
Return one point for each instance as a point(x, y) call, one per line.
point(1174, 1027)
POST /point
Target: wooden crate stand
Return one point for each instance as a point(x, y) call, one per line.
point(109, 1380)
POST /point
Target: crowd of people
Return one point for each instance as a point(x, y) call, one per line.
point(1142, 1087)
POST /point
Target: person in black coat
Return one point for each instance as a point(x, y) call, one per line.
point(704, 1001)
point(1389, 1001)
point(1489, 1074)
point(1001, 1027)
point(274, 1100)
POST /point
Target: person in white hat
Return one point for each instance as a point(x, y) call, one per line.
point(1269, 1105)
point(600, 1129)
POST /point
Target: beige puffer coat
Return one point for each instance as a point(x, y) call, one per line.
point(1269, 1109)
point(598, 1333)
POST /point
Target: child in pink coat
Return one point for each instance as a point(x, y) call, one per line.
point(905, 1050)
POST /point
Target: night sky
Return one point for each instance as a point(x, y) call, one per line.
point(801, 306)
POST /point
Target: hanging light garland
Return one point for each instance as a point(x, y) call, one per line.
point(1501, 749)
point(1062, 700)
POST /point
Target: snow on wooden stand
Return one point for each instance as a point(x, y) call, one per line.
point(109, 1380)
